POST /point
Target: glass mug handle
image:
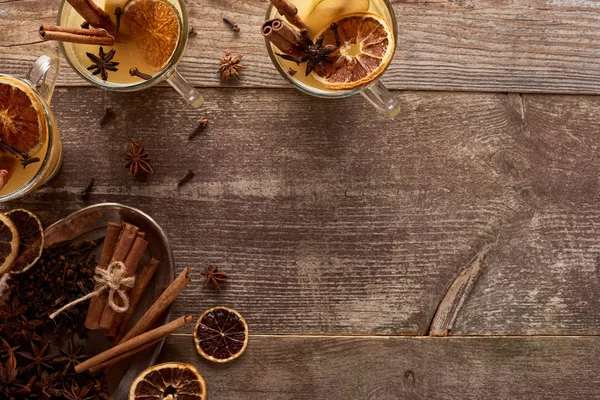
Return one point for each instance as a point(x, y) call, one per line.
point(185, 89)
point(42, 76)
point(381, 98)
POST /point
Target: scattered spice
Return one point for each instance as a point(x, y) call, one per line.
point(192, 32)
point(199, 129)
point(87, 189)
point(139, 159)
point(188, 177)
point(108, 113)
point(118, 14)
point(214, 276)
point(29, 160)
point(135, 72)
point(230, 66)
point(102, 63)
point(292, 71)
point(315, 54)
point(234, 27)
point(24, 156)
point(37, 355)
point(85, 25)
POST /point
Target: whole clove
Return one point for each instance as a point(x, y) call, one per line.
point(118, 14)
point(292, 71)
point(199, 129)
point(234, 27)
point(85, 25)
point(188, 177)
point(135, 72)
point(108, 113)
point(84, 194)
point(192, 32)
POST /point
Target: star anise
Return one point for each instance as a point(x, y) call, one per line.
point(77, 393)
point(315, 54)
point(102, 63)
point(71, 356)
point(7, 350)
point(214, 276)
point(139, 159)
point(25, 330)
point(230, 67)
point(37, 358)
point(9, 386)
point(48, 384)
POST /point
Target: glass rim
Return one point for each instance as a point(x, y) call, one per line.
point(167, 71)
point(25, 189)
point(346, 93)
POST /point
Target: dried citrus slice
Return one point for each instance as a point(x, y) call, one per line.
point(31, 239)
point(366, 49)
point(171, 380)
point(221, 334)
point(9, 243)
point(22, 122)
point(154, 26)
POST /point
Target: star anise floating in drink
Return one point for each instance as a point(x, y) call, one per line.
point(102, 63)
point(214, 276)
point(230, 66)
point(315, 54)
point(139, 159)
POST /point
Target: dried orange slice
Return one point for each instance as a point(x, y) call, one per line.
point(22, 123)
point(171, 380)
point(366, 49)
point(9, 243)
point(221, 334)
point(154, 26)
point(31, 239)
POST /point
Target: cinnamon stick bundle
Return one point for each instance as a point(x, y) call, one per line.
point(160, 305)
point(121, 248)
point(141, 283)
point(282, 35)
point(290, 12)
point(76, 35)
point(94, 15)
point(109, 316)
point(134, 345)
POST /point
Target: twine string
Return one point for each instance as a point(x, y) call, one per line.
point(112, 279)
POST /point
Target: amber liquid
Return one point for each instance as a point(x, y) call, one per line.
point(317, 21)
point(127, 54)
point(39, 172)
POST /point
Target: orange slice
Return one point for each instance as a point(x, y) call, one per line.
point(221, 334)
point(154, 26)
point(9, 243)
point(31, 239)
point(366, 49)
point(22, 122)
point(171, 380)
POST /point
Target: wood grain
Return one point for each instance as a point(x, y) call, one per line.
point(333, 223)
point(340, 368)
point(510, 46)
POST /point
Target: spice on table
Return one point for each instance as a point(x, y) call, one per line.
point(199, 129)
point(135, 72)
point(108, 113)
point(234, 27)
point(102, 63)
point(192, 32)
point(230, 66)
point(139, 159)
point(188, 177)
point(84, 194)
point(214, 276)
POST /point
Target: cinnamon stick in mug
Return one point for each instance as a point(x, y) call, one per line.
point(282, 35)
point(94, 15)
point(289, 11)
point(109, 316)
point(160, 305)
point(76, 35)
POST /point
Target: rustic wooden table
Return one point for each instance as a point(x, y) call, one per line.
point(354, 239)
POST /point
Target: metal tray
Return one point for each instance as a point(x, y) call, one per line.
point(90, 224)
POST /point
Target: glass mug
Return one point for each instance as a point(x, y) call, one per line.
point(67, 16)
point(375, 92)
point(39, 86)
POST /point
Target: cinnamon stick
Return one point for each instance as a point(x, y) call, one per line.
point(284, 36)
point(94, 15)
point(109, 316)
point(127, 354)
point(121, 249)
point(160, 305)
point(113, 231)
point(290, 12)
point(137, 343)
point(141, 283)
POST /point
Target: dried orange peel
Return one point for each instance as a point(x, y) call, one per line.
point(171, 380)
point(31, 239)
point(9, 244)
point(221, 334)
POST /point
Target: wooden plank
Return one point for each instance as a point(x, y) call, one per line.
point(332, 368)
point(330, 222)
point(513, 46)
